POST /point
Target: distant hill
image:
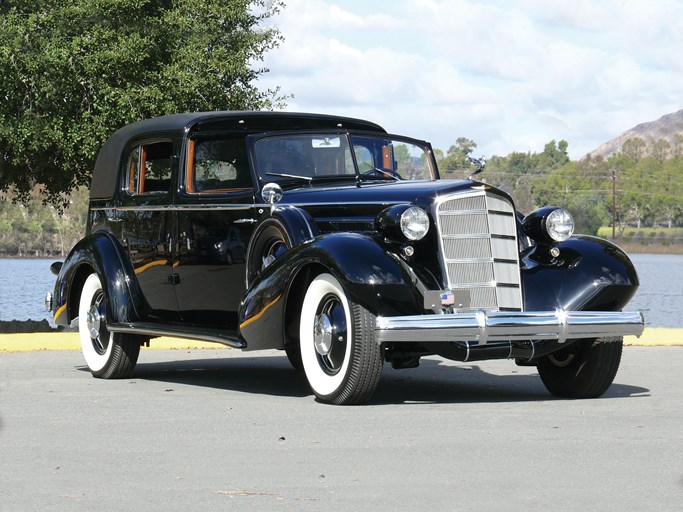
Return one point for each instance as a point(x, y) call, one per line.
point(666, 127)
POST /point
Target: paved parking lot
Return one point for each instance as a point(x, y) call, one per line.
point(222, 429)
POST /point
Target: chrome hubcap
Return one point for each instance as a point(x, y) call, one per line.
point(276, 249)
point(94, 321)
point(330, 334)
point(322, 334)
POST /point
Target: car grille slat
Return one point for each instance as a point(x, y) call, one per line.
point(478, 236)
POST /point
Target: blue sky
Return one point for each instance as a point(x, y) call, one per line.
point(511, 75)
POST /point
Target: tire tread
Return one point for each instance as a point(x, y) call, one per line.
point(588, 377)
point(367, 361)
point(123, 358)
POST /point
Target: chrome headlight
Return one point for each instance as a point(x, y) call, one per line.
point(414, 223)
point(559, 225)
point(549, 224)
point(403, 222)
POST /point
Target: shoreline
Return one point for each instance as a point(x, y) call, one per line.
point(629, 246)
point(638, 248)
point(70, 341)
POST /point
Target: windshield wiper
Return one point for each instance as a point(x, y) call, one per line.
point(295, 176)
point(379, 172)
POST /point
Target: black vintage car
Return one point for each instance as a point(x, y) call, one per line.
point(338, 243)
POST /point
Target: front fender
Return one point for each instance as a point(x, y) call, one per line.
point(101, 253)
point(590, 274)
point(370, 275)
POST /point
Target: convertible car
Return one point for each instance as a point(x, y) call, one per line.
point(338, 243)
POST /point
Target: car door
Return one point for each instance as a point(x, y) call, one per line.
point(216, 214)
point(148, 225)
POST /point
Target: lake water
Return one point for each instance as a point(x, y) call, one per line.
point(23, 284)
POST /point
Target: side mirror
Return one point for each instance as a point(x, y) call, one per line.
point(272, 194)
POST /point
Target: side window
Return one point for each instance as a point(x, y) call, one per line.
point(217, 166)
point(149, 168)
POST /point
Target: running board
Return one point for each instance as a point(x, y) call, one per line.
point(210, 335)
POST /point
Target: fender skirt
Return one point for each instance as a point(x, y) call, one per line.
point(370, 275)
point(102, 253)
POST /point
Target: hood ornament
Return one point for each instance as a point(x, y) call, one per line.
point(480, 164)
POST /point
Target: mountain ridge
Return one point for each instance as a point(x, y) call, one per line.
point(666, 127)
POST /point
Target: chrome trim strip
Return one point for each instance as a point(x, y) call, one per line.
point(233, 206)
point(345, 203)
point(483, 327)
point(170, 207)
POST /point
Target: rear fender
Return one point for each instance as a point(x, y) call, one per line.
point(100, 253)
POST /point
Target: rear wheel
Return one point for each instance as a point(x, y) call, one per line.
point(341, 359)
point(108, 355)
point(585, 369)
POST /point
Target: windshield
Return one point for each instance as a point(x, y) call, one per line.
point(329, 156)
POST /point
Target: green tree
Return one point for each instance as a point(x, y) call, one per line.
point(456, 158)
point(634, 147)
point(677, 148)
point(661, 149)
point(73, 71)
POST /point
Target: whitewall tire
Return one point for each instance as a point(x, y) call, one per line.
point(340, 357)
point(108, 355)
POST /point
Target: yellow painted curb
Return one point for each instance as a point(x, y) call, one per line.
point(653, 336)
point(70, 341)
point(657, 337)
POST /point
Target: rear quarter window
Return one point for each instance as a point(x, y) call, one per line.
point(150, 168)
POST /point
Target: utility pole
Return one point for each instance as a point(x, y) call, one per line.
point(614, 202)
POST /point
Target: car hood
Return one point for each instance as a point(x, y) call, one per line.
point(383, 193)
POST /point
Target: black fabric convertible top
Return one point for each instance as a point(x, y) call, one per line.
point(107, 165)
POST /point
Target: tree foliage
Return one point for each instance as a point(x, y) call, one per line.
point(641, 186)
point(35, 229)
point(456, 164)
point(73, 71)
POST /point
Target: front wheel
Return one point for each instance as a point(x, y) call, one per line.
point(341, 359)
point(108, 355)
point(585, 369)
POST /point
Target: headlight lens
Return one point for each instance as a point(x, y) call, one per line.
point(414, 223)
point(559, 224)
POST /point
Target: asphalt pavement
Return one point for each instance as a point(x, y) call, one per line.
point(227, 430)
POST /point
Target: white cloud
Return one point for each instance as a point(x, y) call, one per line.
point(510, 76)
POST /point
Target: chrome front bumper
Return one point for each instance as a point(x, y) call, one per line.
point(481, 327)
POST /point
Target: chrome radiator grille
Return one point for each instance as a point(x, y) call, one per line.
point(479, 249)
